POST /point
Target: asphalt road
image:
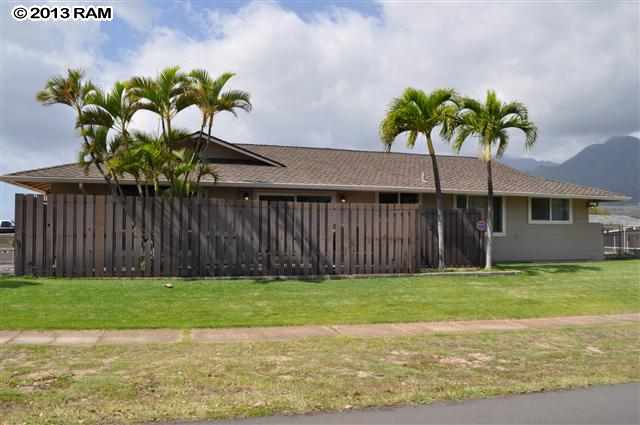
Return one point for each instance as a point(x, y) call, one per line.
point(615, 404)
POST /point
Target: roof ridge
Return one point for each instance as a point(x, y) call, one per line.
point(354, 150)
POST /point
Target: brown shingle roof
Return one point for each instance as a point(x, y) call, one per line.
point(341, 169)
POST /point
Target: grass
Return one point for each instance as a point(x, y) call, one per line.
point(541, 290)
point(133, 384)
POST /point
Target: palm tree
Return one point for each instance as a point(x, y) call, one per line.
point(163, 95)
point(113, 110)
point(180, 171)
point(415, 113)
point(74, 92)
point(489, 123)
point(206, 93)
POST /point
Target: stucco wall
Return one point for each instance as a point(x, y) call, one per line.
point(580, 240)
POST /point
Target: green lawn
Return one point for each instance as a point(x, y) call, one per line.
point(541, 290)
point(147, 383)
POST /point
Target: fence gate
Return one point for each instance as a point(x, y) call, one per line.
point(97, 235)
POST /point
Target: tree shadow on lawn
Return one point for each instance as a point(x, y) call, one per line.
point(537, 269)
point(15, 284)
point(302, 279)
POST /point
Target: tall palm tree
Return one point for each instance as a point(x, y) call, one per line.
point(490, 122)
point(162, 95)
point(73, 91)
point(416, 113)
point(206, 93)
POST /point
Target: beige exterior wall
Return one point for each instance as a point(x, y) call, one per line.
point(579, 240)
point(90, 189)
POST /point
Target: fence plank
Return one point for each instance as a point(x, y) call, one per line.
point(322, 239)
point(138, 217)
point(99, 235)
point(118, 235)
point(79, 266)
point(128, 232)
point(69, 227)
point(59, 235)
point(156, 238)
point(214, 230)
point(174, 230)
point(18, 259)
point(147, 236)
point(203, 236)
point(89, 239)
point(39, 236)
point(331, 238)
point(108, 234)
point(29, 227)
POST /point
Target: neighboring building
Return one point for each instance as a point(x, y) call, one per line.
point(615, 220)
point(535, 219)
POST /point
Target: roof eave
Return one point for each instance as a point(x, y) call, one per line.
point(18, 181)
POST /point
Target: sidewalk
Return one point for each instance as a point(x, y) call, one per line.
point(160, 336)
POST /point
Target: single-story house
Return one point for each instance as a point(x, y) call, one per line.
point(535, 218)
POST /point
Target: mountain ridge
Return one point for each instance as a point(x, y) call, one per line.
point(613, 165)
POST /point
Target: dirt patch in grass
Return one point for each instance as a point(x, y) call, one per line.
point(132, 384)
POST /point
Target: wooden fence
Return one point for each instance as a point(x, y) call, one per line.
point(95, 235)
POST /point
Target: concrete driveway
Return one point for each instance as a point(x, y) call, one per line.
point(615, 404)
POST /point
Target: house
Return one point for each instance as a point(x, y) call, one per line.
point(535, 219)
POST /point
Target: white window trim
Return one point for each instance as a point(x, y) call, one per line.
point(550, 221)
point(332, 195)
point(504, 212)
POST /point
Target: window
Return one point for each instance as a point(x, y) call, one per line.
point(296, 198)
point(395, 198)
point(408, 198)
point(314, 198)
point(546, 210)
point(480, 202)
point(278, 198)
point(388, 198)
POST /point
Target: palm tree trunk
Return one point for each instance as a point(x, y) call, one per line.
point(439, 204)
point(164, 130)
point(488, 261)
point(169, 135)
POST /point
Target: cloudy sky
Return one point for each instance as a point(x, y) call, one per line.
point(322, 74)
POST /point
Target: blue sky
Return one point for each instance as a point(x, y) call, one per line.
point(323, 73)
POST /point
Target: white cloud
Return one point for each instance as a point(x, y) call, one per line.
point(138, 14)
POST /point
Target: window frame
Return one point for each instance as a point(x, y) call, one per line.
point(504, 211)
point(551, 220)
point(295, 195)
point(398, 198)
